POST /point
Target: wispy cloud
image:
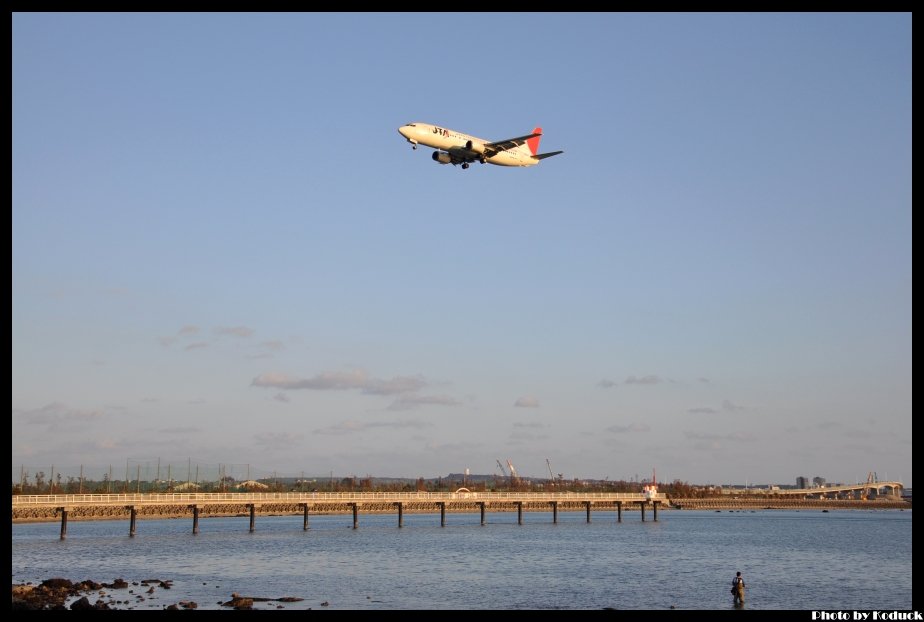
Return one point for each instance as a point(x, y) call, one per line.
point(357, 379)
point(199, 345)
point(282, 397)
point(57, 414)
point(234, 331)
point(704, 380)
point(411, 401)
point(186, 331)
point(273, 345)
point(533, 426)
point(644, 380)
point(522, 435)
point(632, 428)
point(350, 427)
point(729, 406)
point(527, 402)
point(730, 436)
point(280, 440)
point(180, 430)
point(606, 384)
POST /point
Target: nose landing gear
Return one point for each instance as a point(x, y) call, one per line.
point(465, 165)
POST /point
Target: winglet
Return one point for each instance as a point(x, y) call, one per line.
point(534, 142)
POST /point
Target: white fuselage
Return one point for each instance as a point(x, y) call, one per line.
point(452, 141)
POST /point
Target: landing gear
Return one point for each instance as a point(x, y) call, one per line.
point(483, 160)
point(465, 165)
point(414, 146)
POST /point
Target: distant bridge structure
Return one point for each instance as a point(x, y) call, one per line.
point(861, 490)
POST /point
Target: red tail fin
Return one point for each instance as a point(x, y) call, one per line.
point(534, 142)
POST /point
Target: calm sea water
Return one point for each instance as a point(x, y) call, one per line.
point(790, 560)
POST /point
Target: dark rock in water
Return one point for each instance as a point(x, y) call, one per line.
point(188, 604)
point(57, 583)
point(82, 604)
point(239, 602)
point(325, 604)
point(24, 605)
point(118, 584)
point(172, 608)
point(289, 599)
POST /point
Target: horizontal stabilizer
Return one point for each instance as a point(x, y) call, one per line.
point(543, 156)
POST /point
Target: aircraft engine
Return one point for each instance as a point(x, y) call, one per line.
point(476, 147)
point(442, 157)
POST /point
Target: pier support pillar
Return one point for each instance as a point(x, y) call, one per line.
point(442, 514)
point(131, 521)
point(482, 512)
point(554, 512)
point(355, 515)
point(654, 510)
point(253, 517)
point(305, 517)
point(195, 509)
point(63, 522)
point(519, 512)
point(400, 507)
point(587, 505)
point(619, 511)
point(641, 506)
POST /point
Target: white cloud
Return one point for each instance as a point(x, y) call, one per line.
point(606, 384)
point(277, 441)
point(349, 427)
point(408, 402)
point(629, 429)
point(56, 414)
point(527, 402)
point(644, 380)
point(234, 331)
point(357, 379)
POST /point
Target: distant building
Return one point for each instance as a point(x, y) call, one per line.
point(818, 482)
point(802, 482)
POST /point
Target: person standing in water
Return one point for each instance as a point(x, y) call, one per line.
point(738, 589)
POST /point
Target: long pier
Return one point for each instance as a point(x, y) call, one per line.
point(33, 507)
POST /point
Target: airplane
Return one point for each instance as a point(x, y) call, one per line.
point(456, 148)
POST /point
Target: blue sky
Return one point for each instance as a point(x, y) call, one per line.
point(223, 249)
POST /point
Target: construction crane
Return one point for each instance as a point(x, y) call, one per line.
point(549, 464)
point(501, 467)
point(514, 478)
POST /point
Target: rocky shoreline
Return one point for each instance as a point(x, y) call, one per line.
point(63, 594)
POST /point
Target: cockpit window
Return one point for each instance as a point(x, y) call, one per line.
point(412, 125)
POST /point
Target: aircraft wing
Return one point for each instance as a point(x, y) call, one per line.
point(496, 147)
